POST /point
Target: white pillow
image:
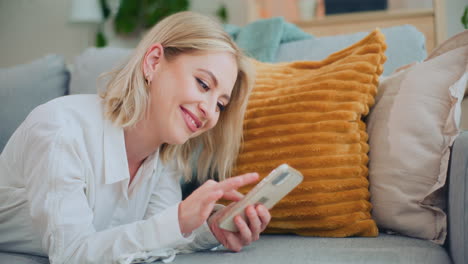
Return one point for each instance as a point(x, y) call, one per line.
point(411, 127)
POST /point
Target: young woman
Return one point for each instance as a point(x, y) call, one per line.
point(89, 179)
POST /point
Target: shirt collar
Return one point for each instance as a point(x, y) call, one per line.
point(115, 155)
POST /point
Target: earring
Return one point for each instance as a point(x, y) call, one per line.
point(147, 79)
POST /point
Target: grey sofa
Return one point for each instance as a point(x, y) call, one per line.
point(49, 77)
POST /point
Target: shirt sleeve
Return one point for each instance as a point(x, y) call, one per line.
point(55, 184)
point(168, 192)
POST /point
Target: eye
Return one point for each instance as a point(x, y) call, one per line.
point(221, 107)
point(203, 84)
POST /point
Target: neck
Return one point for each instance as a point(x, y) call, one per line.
point(140, 142)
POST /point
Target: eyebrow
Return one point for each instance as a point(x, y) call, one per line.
point(213, 77)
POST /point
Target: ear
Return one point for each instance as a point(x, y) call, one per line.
point(153, 57)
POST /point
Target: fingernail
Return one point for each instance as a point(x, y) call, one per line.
point(262, 209)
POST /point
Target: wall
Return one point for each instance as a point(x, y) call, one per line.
point(403, 4)
point(29, 29)
point(454, 10)
point(236, 15)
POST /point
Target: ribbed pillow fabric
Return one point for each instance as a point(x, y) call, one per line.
point(309, 114)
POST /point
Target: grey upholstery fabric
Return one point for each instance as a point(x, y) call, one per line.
point(16, 258)
point(295, 249)
point(458, 201)
point(26, 86)
point(398, 54)
point(90, 64)
point(271, 249)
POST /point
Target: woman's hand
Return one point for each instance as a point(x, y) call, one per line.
point(197, 207)
point(257, 219)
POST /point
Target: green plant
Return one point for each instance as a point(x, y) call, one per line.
point(134, 16)
point(464, 18)
point(222, 14)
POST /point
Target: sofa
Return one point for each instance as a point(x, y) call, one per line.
point(50, 77)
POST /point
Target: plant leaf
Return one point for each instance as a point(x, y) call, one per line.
point(101, 40)
point(464, 18)
point(156, 10)
point(105, 9)
point(127, 17)
point(222, 13)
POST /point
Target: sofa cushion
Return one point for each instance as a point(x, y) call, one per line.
point(26, 86)
point(458, 200)
point(411, 128)
point(262, 38)
point(464, 113)
point(271, 249)
point(308, 114)
point(295, 249)
point(398, 55)
point(90, 64)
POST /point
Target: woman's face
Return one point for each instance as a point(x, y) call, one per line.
point(188, 94)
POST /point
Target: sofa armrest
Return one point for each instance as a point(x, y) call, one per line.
point(458, 200)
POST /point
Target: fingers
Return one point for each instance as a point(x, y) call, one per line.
point(258, 218)
point(244, 231)
point(212, 197)
point(236, 182)
point(227, 187)
point(255, 224)
point(233, 195)
point(233, 241)
point(211, 191)
point(219, 233)
point(264, 215)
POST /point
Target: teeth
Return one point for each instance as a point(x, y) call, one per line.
point(191, 119)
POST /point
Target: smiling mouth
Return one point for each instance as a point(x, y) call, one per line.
point(192, 122)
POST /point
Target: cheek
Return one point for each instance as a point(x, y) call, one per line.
point(213, 121)
point(211, 124)
point(208, 126)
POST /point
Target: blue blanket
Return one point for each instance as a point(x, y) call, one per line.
point(262, 38)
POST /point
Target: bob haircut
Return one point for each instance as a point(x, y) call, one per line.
point(126, 96)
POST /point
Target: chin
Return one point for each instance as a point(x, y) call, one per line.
point(178, 140)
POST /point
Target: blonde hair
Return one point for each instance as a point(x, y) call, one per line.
point(126, 96)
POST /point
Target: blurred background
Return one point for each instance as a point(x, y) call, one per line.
point(30, 29)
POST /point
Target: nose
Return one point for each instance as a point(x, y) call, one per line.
point(207, 110)
point(203, 109)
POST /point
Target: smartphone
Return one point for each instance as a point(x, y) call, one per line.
point(268, 192)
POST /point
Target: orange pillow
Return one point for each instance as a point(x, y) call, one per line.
point(309, 114)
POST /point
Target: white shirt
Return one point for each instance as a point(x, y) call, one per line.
point(64, 190)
